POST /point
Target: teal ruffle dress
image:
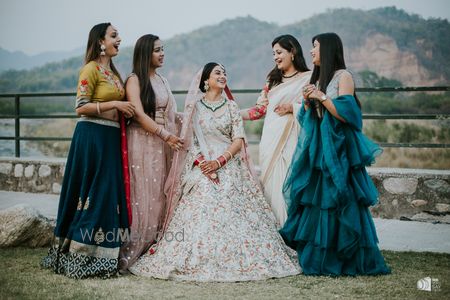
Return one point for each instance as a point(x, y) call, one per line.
point(328, 192)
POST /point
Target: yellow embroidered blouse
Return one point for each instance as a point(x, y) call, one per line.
point(97, 84)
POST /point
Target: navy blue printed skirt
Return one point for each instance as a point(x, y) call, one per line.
point(92, 218)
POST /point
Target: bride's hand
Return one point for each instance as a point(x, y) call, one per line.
point(213, 177)
point(209, 166)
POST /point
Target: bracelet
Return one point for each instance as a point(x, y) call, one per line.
point(163, 134)
point(98, 109)
point(231, 155)
point(199, 161)
point(217, 161)
point(226, 160)
point(222, 160)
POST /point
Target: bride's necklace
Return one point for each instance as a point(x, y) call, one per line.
point(213, 105)
point(290, 76)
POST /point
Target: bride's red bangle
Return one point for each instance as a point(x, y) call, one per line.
point(222, 160)
point(199, 160)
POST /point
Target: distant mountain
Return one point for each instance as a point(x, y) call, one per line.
point(389, 42)
point(18, 60)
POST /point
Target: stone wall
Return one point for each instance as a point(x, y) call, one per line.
point(417, 194)
point(31, 175)
point(410, 193)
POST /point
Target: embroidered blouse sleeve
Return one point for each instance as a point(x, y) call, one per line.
point(86, 85)
point(259, 110)
point(237, 124)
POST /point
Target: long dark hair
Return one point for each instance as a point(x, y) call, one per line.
point(93, 50)
point(142, 63)
point(207, 69)
point(291, 44)
point(331, 60)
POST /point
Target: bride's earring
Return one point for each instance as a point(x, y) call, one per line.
point(206, 85)
point(102, 47)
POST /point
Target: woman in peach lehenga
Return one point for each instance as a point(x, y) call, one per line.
point(151, 135)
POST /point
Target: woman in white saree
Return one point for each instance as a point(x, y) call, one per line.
point(279, 102)
point(218, 226)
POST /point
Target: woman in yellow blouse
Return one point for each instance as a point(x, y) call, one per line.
point(92, 213)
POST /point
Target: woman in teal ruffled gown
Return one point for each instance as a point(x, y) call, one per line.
point(328, 190)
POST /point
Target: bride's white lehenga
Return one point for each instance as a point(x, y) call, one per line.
point(224, 232)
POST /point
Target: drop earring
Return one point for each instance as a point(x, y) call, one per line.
point(102, 47)
point(206, 85)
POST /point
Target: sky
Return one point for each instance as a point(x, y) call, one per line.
point(35, 26)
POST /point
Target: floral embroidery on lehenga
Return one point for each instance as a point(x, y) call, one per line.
point(224, 232)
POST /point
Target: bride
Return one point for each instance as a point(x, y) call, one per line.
point(221, 228)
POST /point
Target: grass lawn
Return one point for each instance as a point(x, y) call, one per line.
point(22, 278)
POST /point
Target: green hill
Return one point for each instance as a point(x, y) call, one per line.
point(386, 41)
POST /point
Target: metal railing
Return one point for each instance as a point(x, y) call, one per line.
point(17, 116)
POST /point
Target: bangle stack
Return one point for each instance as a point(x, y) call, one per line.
point(231, 154)
point(162, 133)
point(219, 162)
point(222, 160)
point(200, 159)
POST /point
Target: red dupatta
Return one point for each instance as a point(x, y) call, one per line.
point(126, 171)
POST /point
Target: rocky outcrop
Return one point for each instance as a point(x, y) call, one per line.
point(22, 225)
point(381, 55)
